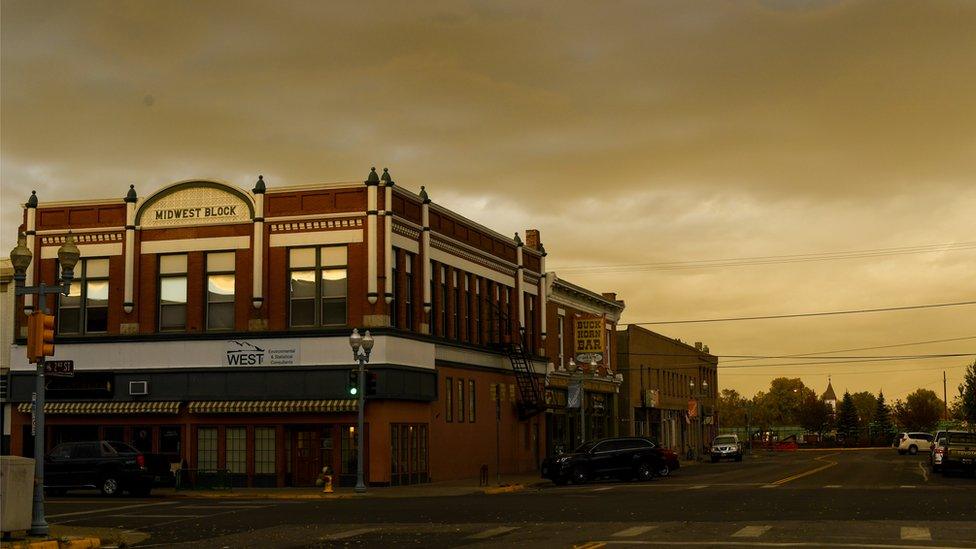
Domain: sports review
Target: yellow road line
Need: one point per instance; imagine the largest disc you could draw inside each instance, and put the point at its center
(830, 464)
(591, 545)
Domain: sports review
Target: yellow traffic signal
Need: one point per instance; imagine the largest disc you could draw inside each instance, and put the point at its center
(40, 336)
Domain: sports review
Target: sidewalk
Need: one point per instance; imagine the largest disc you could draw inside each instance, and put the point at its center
(509, 483)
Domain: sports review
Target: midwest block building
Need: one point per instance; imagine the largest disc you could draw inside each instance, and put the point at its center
(209, 324)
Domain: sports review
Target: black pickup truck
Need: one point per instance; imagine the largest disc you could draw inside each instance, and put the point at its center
(109, 466)
(624, 458)
(958, 452)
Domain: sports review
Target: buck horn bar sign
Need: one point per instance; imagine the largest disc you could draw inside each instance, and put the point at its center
(589, 342)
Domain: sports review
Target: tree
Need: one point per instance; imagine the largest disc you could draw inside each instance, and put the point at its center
(882, 418)
(847, 416)
(920, 411)
(732, 408)
(967, 394)
(814, 415)
(866, 404)
(780, 405)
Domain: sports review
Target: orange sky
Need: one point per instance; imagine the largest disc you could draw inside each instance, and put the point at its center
(627, 132)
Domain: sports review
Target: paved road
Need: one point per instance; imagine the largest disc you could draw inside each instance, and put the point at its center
(842, 499)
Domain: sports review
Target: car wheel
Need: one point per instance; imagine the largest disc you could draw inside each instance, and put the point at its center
(644, 472)
(664, 471)
(110, 486)
(913, 449)
(579, 476)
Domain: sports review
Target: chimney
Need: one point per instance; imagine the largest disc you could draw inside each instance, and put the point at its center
(610, 296)
(532, 238)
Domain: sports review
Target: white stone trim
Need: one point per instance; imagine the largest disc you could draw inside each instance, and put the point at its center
(405, 243)
(309, 217)
(87, 250)
(195, 245)
(465, 265)
(316, 238)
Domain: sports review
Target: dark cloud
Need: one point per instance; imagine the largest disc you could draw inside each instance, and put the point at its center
(626, 131)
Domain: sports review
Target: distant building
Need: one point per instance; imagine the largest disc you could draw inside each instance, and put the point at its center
(662, 395)
(6, 340)
(830, 397)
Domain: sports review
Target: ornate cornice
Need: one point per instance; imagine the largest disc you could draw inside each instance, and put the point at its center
(317, 225)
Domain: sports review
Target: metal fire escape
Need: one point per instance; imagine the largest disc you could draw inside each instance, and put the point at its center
(530, 397)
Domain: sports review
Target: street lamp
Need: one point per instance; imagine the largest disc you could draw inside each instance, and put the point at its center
(20, 258)
(698, 395)
(361, 345)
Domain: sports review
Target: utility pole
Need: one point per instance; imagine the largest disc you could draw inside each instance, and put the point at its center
(945, 397)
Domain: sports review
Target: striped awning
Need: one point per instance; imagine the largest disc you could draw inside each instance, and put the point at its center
(270, 406)
(92, 408)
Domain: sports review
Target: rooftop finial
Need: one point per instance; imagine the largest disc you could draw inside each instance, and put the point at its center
(542, 249)
(32, 201)
(423, 195)
(518, 241)
(131, 195)
(385, 178)
(372, 177)
(259, 186)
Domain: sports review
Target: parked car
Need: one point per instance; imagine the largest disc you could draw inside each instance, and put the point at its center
(909, 443)
(937, 453)
(109, 466)
(958, 451)
(669, 461)
(726, 447)
(624, 458)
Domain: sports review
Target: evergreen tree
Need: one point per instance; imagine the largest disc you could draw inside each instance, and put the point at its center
(847, 416)
(882, 418)
(967, 394)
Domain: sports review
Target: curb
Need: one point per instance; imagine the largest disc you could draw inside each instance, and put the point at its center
(503, 489)
(62, 543)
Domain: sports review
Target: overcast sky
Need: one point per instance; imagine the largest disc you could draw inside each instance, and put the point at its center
(627, 132)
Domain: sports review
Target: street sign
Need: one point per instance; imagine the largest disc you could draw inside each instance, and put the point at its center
(59, 368)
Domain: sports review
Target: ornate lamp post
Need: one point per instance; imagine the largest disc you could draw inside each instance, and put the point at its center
(361, 345)
(577, 375)
(20, 257)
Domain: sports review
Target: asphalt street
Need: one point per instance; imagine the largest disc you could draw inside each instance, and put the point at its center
(873, 498)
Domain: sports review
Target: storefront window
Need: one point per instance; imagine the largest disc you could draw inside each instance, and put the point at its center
(169, 440)
(142, 439)
(236, 447)
(207, 448)
(264, 450)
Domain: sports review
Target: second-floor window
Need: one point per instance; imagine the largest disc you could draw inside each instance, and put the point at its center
(172, 292)
(85, 309)
(220, 291)
(317, 286)
(408, 292)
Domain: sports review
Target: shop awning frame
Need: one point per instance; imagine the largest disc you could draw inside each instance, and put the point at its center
(270, 406)
(112, 407)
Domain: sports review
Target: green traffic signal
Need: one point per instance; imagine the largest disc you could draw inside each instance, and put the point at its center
(352, 384)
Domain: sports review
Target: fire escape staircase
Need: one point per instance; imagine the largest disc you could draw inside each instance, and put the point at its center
(530, 394)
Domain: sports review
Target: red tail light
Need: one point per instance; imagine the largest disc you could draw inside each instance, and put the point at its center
(141, 461)
(939, 451)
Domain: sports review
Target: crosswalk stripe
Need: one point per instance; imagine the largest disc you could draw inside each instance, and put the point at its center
(698, 487)
(350, 533)
(751, 531)
(918, 533)
(633, 531)
(770, 485)
(604, 488)
(832, 486)
(492, 532)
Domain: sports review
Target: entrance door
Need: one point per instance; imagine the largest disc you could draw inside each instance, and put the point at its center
(307, 458)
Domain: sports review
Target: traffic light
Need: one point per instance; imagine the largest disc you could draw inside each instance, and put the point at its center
(40, 336)
(352, 384)
(371, 378)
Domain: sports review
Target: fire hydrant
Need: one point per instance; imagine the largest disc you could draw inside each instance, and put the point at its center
(326, 480)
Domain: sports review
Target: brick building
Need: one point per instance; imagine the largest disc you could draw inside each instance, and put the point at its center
(209, 325)
(669, 389)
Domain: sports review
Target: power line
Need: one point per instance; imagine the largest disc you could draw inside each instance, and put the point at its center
(766, 260)
(891, 346)
(890, 359)
(797, 315)
(773, 357)
(858, 372)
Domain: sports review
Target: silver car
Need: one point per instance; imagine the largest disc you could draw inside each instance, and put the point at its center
(726, 447)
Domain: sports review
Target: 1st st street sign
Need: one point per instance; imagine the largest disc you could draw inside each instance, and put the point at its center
(59, 368)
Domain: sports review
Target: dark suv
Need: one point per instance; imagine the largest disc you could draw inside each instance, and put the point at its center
(625, 458)
(109, 466)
